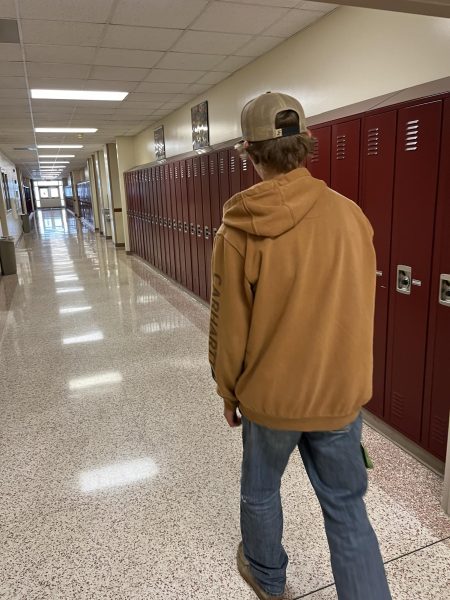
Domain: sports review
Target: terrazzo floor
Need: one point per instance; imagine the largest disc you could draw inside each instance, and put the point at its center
(119, 478)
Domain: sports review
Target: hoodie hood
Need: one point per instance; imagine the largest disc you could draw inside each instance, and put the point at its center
(272, 207)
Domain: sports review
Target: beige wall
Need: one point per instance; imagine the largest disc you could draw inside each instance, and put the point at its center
(15, 227)
(350, 55)
(125, 160)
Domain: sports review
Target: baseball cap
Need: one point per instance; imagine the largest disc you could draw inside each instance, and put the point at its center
(259, 115)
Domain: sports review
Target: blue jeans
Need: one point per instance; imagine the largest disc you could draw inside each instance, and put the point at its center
(336, 469)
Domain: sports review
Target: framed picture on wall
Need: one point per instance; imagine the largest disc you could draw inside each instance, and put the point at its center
(160, 144)
(200, 125)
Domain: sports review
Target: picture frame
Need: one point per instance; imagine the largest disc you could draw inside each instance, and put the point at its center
(160, 143)
(200, 125)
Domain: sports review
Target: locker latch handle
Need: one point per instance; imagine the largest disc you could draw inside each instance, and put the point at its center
(192, 229)
(379, 273)
(214, 231)
(199, 231)
(186, 227)
(444, 289)
(404, 274)
(207, 234)
(180, 226)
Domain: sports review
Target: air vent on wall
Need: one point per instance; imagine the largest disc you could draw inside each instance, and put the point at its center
(9, 31)
(341, 145)
(373, 140)
(412, 135)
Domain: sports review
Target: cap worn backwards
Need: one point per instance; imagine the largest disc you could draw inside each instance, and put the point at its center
(258, 117)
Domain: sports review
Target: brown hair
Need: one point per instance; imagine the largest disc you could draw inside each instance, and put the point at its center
(282, 154)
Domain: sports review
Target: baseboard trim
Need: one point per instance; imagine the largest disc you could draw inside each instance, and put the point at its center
(119, 244)
(404, 443)
(108, 237)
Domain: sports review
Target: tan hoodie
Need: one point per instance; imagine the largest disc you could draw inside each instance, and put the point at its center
(292, 305)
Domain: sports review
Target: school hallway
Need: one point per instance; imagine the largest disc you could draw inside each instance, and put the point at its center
(119, 475)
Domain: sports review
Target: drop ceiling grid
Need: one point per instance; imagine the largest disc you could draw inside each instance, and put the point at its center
(190, 46)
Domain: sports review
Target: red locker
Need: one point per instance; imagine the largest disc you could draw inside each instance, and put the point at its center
(417, 162)
(168, 221)
(246, 173)
(192, 226)
(156, 261)
(437, 394)
(235, 171)
(148, 232)
(140, 211)
(162, 239)
(180, 231)
(173, 202)
(199, 227)
(319, 161)
(224, 180)
(186, 225)
(377, 188)
(345, 158)
(214, 191)
(207, 220)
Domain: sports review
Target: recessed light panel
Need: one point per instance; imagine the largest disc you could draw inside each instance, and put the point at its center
(65, 129)
(56, 156)
(78, 95)
(64, 146)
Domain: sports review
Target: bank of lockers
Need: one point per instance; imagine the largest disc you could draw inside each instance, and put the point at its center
(395, 164)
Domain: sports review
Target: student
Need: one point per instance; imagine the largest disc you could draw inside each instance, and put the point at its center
(290, 346)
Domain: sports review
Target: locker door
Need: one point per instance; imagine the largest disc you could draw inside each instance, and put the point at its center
(234, 171)
(179, 213)
(246, 172)
(377, 188)
(162, 240)
(156, 218)
(151, 185)
(319, 161)
(139, 197)
(214, 192)
(129, 208)
(186, 225)
(168, 221)
(148, 232)
(345, 158)
(199, 227)
(192, 225)
(417, 161)
(173, 198)
(224, 180)
(207, 220)
(437, 394)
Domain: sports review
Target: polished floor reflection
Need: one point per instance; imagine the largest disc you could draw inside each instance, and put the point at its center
(119, 478)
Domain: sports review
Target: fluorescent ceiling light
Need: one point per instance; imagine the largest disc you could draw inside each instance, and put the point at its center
(65, 129)
(55, 162)
(56, 156)
(78, 95)
(59, 146)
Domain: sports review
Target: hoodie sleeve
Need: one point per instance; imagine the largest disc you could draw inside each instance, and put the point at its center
(231, 305)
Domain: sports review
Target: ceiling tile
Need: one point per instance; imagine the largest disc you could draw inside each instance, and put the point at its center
(66, 10)
(209, 42)
(119, 73)
(14, 69)
(13, 83)
(282, 3)
(49, 83)
(198, 88)
(61, 32)
(140, 38)
(55, 70)
(11, 52)
(233, 63)
(115, 57)
(111, 86)
(179, 60)
(213, 77)
(176, 14)
(130, 105)
(147, 96)
(323, 7)
(8, 9)
(237, 18)
(258, 46)
(59, 54)
(11, 102)
(152, 87)
(13, 93)
(169, 75)
(293, 22)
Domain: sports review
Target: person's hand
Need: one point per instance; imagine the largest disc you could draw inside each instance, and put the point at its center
(231, 416)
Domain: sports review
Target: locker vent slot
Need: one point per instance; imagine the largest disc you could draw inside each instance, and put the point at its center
(232, 164)
(176, 171)
(188, 170)
(373, 141)
(211, 167)
(222, 165)
(244, 164)
(315, 152)
(181, 171)
(203, 167)
(412, 135)
(397, 406)
(341, 146)
(438, 431)
(195, 169)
